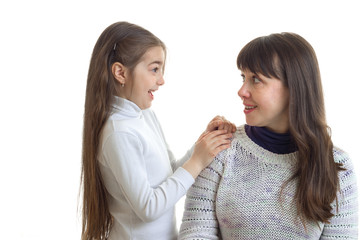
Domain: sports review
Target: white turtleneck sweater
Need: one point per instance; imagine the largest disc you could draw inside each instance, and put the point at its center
(143, 179)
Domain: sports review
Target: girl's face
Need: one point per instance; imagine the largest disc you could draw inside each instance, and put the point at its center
(146, 79)
(266, 102)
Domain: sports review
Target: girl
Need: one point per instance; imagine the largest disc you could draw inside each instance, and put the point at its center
(282, 178)
(130, 179)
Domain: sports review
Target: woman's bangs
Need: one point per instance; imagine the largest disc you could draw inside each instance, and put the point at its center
(257, 58)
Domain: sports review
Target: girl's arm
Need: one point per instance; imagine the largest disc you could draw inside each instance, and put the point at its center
(124, 171)
(206, 148)
(123, 160)
(217, 123)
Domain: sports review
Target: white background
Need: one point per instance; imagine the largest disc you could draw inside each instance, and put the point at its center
(44, 56)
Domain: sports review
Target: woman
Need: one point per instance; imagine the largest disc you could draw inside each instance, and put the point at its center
(282, 178)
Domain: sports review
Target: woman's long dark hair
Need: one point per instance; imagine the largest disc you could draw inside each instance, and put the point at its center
(290, 58)
(120, 42)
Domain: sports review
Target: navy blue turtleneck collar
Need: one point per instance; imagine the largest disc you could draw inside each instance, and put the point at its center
(280, 143)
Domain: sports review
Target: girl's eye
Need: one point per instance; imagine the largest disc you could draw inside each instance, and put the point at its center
(155, 69)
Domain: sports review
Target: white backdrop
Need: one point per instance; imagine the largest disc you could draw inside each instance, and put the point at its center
(44, 56)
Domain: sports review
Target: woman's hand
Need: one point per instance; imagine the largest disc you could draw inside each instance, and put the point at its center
(206, 148)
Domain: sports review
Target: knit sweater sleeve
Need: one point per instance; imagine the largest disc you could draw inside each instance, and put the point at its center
(344, 223)
(199, 219)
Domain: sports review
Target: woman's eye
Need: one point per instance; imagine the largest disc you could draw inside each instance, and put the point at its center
(256, 80)
(243, 78)
(155, 69)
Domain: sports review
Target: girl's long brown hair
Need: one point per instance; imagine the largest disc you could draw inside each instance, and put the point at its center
(290, 58)
(120, 42)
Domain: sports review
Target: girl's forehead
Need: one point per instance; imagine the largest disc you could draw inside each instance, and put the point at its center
(154, 54)
(153, 51)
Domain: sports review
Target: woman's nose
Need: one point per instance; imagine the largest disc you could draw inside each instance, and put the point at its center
(244, 91)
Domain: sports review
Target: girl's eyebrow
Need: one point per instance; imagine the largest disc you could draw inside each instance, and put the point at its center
(156, 62)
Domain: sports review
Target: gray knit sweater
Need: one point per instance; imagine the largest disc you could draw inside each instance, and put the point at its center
(238, 197)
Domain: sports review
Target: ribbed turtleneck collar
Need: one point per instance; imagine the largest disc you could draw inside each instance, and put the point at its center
(126, 108)
(280, 143)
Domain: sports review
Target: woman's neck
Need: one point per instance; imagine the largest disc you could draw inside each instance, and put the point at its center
(280, 143)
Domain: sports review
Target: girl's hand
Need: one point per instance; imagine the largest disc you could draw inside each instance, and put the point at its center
(218, 123)
(206, 148)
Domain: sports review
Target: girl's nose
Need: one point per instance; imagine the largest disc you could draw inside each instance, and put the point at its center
(160, 81)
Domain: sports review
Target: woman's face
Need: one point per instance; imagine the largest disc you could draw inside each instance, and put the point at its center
(266, 102)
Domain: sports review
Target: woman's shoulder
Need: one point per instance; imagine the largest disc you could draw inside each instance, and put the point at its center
(240, 135)
(342, 157)
(238, 141)
(347, 176)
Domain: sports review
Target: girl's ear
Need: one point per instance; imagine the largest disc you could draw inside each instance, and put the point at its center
(118, 71)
